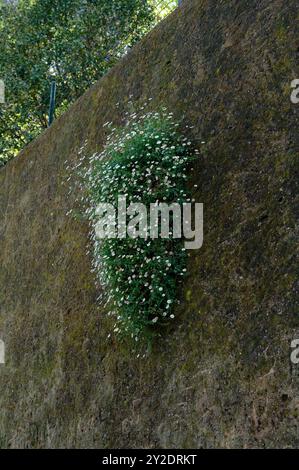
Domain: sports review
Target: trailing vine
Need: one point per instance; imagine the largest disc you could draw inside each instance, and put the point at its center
(146, 161)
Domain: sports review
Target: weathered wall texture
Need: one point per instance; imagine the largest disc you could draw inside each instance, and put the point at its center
(221, 376)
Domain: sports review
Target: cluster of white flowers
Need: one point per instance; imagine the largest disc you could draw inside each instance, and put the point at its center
(146, 161)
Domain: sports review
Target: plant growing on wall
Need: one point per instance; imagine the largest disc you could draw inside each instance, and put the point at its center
(146, 162)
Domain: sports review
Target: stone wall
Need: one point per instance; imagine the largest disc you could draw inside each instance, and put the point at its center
(221, 375)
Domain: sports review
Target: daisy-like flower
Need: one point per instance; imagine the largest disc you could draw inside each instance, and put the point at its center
(147, 161)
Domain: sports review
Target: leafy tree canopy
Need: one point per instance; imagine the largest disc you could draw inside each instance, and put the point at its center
(72, 41)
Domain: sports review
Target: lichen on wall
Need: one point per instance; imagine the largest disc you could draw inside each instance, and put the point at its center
(221, 376)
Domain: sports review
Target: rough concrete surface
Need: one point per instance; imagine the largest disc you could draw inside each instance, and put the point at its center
(221, 375)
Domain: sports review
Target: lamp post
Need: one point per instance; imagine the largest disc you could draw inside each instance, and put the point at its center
(2, 92)
(52, 103)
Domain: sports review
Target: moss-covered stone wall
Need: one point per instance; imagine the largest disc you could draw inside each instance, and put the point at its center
(221, 376)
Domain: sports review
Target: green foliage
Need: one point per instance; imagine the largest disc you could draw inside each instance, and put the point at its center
(146, 161)
(74, 42)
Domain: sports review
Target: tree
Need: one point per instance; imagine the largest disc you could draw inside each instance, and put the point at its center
(72, 41)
